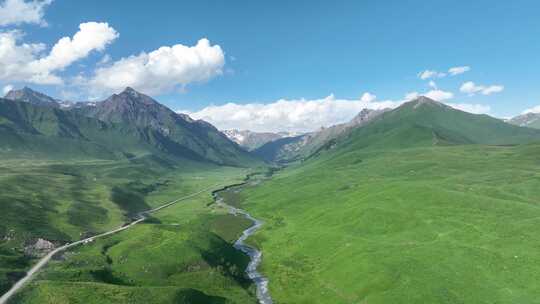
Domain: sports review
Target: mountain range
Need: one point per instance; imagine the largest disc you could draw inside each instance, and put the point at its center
(59, 185)
(125, 125)
(131, 124)
(422, 121)
(425, 122)
(297, 147)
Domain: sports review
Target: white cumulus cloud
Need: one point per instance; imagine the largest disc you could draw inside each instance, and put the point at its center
(439, 95)
(411, 95)
(492, 89)
(367, 97)
(25, 62)
(161, 70)
(471, 108)
(532, 110)
(458, 70)
(453, 71)
(15, 12)
(302, 115)
(296, 115)
(471, 88)
(427, 74)
(91, 36)
(7, 88)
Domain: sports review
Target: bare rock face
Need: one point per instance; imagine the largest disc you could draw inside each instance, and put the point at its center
(39, 248)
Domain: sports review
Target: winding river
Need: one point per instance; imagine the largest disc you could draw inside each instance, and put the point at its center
(255, 255)
(261, 282)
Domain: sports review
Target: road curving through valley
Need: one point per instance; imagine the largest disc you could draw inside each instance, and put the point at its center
(44, 260)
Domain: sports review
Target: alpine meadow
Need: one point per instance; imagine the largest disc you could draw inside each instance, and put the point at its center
(234, 152)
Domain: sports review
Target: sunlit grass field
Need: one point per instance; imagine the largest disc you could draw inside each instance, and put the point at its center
(456, 224)
(182, 254)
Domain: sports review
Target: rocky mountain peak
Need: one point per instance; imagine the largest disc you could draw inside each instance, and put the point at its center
(26, 94)
(365, 116)
(130, 95)
(131, 91)
(423, 100)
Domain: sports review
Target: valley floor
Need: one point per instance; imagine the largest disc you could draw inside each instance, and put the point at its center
(454, 224)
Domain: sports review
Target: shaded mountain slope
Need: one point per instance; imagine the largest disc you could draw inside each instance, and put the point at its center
(166, 130)
(128, 124)
(282, 150)
(54, 133)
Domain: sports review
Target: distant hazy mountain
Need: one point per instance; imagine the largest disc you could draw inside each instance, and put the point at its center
(298, 147)
(529, 120)
(128, 124)
(252, 140)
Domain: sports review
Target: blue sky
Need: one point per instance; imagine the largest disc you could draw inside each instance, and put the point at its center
(299, 51)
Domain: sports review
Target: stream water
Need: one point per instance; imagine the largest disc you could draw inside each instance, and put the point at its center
(261, 282)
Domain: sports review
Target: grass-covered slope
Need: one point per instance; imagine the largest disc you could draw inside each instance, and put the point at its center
(454, 224)
(62, 201)
(425, 204)
(420, 122)
(182, 255)
(424, 122)
(65, 175)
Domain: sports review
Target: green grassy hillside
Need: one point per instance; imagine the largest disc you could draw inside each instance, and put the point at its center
(453, 224)
(183, 254)
(425, 204)
(421, 122)
(424, 122)
(66, 175)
